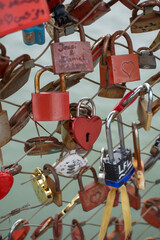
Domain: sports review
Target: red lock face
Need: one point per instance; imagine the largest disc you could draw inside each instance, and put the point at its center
(6, 182)
(20, 233)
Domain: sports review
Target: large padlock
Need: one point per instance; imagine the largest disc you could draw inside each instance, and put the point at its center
(85, 130)
(144, 109)
(69, 57)
(39, 231)
(5, 129)
(116, 234)
(130, 4)
(18, 231)
(149, 213)
(146, 58)
(122, 68)
(50, 106)
(57, 228)
(118, 163)
(3, 62)
(54, 185)
(15, 77)
(133, 195)
(93, 194)
(84, 9)
(149, 21)
(77, 231)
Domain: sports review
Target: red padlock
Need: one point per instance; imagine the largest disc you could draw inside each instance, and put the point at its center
(39, 231)
(93, 194)
(116, 200)
(57, 228)
(77, 231)
(6, 182)
(121, 228)
(151, 216)
(116, 234)
(19, 232)
(134, 196)
(122, 68)
(3, 63)
(50, 106)
(85, 130)
(129, 4)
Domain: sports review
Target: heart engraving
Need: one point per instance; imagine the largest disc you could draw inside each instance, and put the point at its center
(128, 68)
(95, 198)
(8, 18)
(6, 182)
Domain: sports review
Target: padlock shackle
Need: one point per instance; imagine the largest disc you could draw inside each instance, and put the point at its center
(38, 75)
(150, 97)
(105, 49)
(15, 226)
(136, 145)
(126, 36)
(146, 50)
(76, 224)
(153, 202)
(38, 171)
(96, 49)
(55, 175)
(3, 51)
(89, 100)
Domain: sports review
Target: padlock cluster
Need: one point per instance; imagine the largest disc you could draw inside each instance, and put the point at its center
(121, 171)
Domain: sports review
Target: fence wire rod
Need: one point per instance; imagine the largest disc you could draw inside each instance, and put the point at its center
(143, 232)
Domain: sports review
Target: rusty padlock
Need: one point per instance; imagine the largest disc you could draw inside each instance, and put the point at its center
(15, 77)
(3, 62)
(149, 21)
(5, 129)
(50, 106)
(116, 234)
(93, 194)
(133, 195)
(18, 231)
(122, 68)
(39, 231)
(21, 117)
(77, 231)
(144, 109)
(54, 185)
(146, 58)
(57, 228)
(130, 4)
(149, 213)
(69, 57)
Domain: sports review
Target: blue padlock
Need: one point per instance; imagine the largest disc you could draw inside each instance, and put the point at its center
(34, 35)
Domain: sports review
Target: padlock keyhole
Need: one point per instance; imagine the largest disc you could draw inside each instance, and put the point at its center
(87, 136)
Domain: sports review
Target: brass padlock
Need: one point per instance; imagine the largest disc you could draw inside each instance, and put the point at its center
(40, 187)
(146, 58)
(15, 77)
(5, 129)
(54, 186)
(144, 109)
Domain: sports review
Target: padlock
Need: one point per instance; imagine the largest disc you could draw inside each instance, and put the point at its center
(149, 21)
(54, 185)
(144, 109)
(121, 228)
(50, 106)
(6, 182)
(84, 9)
(133, 195)
(69, 57)
(21, 117)
(130, 4)
(149, 213)
(118, 163)
(122, 68)
(137, 161)
(39, 231)
(146, 58)
(155, 44)
(85, 130)
(57, 228)
(77, 231)
(18, 231)
(116, 234)
(15, 77)
(69, 164)
(3, 62)
(107, 90)
(93, 194)
(40, 187)
(43, 145)
(34, 35)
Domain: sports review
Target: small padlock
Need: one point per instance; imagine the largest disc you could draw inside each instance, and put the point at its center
(3, 62)
(34, 35)
(146, 58)
(69, 164)
(116, 234)
(133, 195)
(85, 130)
(93, 194)
(118, 163)
(15, 77)
(50, 106)
(149, 21)
(122, 68)
(39, 231)
(130, 4)
(40, 187)
(137, 161)
(57, 228)
(54, 185)
(21, 117)
(69, 57)
(149, 213)
(77, 231)
(18, 231)
(144, 109)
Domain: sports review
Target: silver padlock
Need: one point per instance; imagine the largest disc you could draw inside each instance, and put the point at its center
(146, 58)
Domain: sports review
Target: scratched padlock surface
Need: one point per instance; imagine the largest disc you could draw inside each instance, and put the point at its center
(21, 195)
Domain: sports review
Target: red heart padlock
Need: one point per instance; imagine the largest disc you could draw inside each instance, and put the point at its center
(17, 232)
(77, 231)
(85, 130)
(6, 182)
(57, 228)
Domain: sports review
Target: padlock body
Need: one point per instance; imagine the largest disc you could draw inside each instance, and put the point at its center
(123, 68)
(71, 57)
(34, 35)
(21, 233)
(146, 61)
(121, 170)
(5, 129)
(152, 216)
(3, 66)
(134, 198)
(103, 75)
(50, 106)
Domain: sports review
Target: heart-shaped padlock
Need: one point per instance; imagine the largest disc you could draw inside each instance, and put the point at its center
(6, 182)
(85, 130)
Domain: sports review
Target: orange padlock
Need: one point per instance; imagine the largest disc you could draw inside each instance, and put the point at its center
(50, 106)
